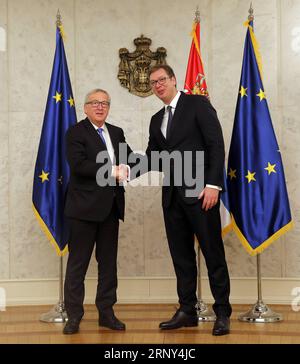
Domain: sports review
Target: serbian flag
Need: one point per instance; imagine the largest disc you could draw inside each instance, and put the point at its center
(195, 82)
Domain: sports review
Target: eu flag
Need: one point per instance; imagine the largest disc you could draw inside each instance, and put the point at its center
(51, 173)
(258, 196)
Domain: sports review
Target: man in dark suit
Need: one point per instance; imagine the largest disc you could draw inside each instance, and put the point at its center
(93, 209)
(189, 123)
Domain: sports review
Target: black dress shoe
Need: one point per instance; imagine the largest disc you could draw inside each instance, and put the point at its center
(221, 326)
(111, 322)
(72, 327)
(180, 319)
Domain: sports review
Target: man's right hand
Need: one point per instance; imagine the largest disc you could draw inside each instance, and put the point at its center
(120, 172)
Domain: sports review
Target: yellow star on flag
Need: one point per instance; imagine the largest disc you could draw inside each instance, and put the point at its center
(232, 173)
(44, 176)
(57, 97)
(270, 168)
(250, 176)
(261, 94)
(243, 91)
(71, 101)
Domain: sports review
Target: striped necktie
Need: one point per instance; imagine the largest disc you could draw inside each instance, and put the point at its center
(100, 132)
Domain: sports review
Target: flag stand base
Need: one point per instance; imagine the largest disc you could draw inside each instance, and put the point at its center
(260, 313)
(204, 313)
(57, 314)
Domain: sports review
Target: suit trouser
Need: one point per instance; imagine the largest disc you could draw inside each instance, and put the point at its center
(83, 236)
(182, 222)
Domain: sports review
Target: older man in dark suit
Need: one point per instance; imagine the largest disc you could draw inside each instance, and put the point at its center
(189, 124)
(93, 208)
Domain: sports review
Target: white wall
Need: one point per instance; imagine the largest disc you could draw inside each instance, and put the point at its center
(95, 30)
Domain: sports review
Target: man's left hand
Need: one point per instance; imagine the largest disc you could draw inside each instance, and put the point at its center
(210, 197)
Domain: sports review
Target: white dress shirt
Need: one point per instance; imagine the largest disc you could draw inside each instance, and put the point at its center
(109, 146)
(173, 104)
(111, 151)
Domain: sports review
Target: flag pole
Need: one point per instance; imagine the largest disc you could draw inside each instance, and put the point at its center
(204, 313)
(260, 312)
(58, 313)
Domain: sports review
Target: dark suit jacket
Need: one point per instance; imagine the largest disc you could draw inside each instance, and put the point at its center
(195, 127)
(85, 199)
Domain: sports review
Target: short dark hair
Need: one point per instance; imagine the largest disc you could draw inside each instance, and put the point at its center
(165, 67)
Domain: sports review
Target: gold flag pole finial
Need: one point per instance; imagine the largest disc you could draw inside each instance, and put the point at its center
(58, 19)
(251, 11)
(59, 25)
(197, 15)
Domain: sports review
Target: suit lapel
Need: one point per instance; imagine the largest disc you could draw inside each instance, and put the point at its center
(94, 135)
(159, 119)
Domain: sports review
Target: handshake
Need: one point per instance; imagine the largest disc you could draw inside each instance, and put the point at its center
(120, 172)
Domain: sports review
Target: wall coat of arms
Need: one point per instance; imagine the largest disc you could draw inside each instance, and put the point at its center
(134, 66)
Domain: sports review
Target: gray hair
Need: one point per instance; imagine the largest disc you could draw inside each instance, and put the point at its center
(95, 91)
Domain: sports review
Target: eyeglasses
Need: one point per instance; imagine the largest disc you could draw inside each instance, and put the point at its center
(96, 103)
(160, 81)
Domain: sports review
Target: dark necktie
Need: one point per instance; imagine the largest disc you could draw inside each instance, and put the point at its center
(170, 116)
(100, 132)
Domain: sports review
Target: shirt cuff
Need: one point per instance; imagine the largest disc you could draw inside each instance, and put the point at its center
(113, 171)
(215, 187)
(128, 172)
